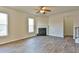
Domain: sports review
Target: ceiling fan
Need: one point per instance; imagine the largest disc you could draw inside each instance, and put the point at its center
(43, 10)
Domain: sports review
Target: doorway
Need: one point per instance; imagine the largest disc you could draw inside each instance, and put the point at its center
(68, 26)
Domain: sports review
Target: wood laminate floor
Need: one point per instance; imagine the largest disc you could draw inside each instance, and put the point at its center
(41, 44)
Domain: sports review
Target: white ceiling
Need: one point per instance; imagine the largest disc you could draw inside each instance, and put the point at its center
(54, 9)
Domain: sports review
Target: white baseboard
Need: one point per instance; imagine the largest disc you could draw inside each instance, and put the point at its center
(17, 39)
(5, 42)
(56, 36)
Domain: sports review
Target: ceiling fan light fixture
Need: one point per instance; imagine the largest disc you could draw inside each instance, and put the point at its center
(44, 8)
(42, 11)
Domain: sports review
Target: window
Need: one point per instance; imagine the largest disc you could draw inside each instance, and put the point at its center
(31, 25)
(3, 24)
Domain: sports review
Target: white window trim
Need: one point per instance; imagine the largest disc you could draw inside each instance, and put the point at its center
(31, 25)
(6, 25)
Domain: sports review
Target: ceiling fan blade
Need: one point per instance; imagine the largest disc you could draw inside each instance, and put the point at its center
(41, 7)
(48, 10)
(38, 10)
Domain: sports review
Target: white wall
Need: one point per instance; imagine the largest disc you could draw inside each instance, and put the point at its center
(59, 19)
(17, 25)
(42, 22)
(56, 25)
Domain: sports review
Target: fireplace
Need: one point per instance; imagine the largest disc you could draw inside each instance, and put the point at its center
(41, 32)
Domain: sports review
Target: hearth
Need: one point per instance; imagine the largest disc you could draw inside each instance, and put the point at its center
(42, 32)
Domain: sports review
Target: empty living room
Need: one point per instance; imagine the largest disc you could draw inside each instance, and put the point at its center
(39, 29)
